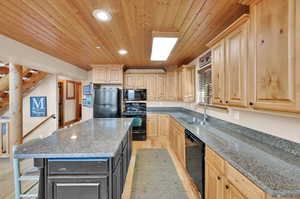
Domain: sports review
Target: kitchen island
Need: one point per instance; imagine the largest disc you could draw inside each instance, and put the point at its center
(86, 161)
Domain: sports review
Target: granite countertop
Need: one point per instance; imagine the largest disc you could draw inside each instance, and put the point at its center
(92, 138)
(272, 163)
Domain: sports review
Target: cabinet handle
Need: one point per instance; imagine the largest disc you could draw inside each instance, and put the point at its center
(221, 101)
(219, 178)
(251, 103)
(226, 102)
(227, 186)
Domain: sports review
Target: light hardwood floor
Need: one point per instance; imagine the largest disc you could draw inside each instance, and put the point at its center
(158, 142)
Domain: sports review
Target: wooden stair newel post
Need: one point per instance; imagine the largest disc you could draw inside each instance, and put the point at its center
(15, 104)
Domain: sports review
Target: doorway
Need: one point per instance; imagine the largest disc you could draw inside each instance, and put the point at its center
(61, 104)
(69, 108)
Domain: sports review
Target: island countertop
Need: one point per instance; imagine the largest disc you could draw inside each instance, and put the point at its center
(93, 138)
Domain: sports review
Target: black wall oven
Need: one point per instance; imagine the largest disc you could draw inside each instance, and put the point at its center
(195, 160)
(138, 112)
(134, 94)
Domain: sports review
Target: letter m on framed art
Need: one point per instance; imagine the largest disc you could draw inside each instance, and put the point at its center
(38, 106)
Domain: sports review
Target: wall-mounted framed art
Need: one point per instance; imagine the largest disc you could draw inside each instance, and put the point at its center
(70, 90)
(87, 89)
(38, 106)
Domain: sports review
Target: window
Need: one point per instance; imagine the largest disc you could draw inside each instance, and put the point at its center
(204, 85)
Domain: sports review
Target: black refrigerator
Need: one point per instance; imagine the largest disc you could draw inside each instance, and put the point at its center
(107, 103)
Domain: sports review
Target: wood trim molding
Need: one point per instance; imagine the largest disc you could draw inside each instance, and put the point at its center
(144, 73)
(70, 96)
(243, 19)
(107, 65)
(70, 122)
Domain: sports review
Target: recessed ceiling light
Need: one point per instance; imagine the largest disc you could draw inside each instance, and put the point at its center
(162, 47)
(98, 47)
(102, 15)
(122, 52)
(74, 137)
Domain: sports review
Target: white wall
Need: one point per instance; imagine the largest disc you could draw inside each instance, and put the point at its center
(18, 53)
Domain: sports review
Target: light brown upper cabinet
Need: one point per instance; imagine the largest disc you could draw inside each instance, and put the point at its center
(161, 87)
(130, 81)
(107, 74)
(186, 83)
(171, 86)
(274, 56)
(153, 82)
(236, 65)
(151, 86)
(218, 73)
(230, 64)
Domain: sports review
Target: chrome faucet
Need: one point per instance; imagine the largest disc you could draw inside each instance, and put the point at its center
(206, 101)
(204, 120)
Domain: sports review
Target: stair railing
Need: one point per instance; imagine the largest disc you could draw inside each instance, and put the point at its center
(37, 126)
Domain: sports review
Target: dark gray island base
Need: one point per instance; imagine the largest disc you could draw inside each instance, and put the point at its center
(98, 174)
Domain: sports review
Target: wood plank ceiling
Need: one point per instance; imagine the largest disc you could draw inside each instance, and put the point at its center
(67, 30)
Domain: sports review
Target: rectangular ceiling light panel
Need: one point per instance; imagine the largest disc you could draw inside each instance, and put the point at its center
(162, 47)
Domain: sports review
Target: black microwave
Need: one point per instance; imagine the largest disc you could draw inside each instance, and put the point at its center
(135, 95)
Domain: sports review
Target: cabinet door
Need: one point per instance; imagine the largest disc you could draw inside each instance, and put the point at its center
(218, 73)
(180, 144)
(130, 81)
(100, 75)
(161, 87)
(151, 85)
(233, 193)
(188, 84)
(115, 75)
(179, 85)
(275, 80)
(78, 187)
(163, 125)
(171, 87)
(236, 67)
(151, 125)
(140, 82)
(214, 183)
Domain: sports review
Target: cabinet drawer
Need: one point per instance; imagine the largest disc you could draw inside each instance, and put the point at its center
(214, 159)
(245, 186)
(84, 166)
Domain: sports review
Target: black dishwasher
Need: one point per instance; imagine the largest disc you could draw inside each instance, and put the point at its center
(195, 163)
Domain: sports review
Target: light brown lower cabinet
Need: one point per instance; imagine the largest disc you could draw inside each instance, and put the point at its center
(231, 192)
(163, 125)
(152, 122)
(157, 125)
(177, 140)
(222, 181)
(214, 182)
